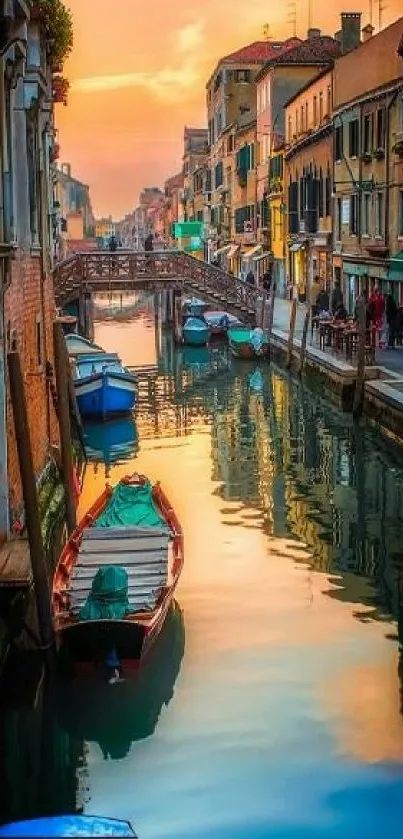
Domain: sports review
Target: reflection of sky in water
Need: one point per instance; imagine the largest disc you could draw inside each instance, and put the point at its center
(285, 716)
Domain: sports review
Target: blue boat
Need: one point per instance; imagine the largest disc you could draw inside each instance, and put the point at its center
(195, 332)
(69, 826)
(193, 307)
(103, 386)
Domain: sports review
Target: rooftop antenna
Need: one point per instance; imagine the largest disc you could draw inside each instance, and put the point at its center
(371, 12)
(292, 17)
(309, 14)
(266, 32)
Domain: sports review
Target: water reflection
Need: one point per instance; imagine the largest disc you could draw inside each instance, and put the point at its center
(89, 711)
(115, 441)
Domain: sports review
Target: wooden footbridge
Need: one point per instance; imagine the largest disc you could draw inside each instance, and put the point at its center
(95, 271)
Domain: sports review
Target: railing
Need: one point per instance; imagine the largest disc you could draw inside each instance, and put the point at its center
(95, 270)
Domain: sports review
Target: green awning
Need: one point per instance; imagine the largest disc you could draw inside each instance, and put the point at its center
(395, 273)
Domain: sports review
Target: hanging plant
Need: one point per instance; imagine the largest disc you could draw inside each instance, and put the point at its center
(57, 25)
(60, 89)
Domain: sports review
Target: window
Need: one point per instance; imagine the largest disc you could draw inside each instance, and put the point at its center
(306, 116)
(315, 110)
(296, 123)
(339, 218)
(338, 143)
(231, 142)
(320, 194)
(367, 138)
(366, 214)
(328, 194)
(380, 128)
(242, 76)
(293, 225)
(289, 129)
(353, 138)
(38, 336)
(329, 100)
(353, 215)
(219, 175)
(302, 118)
(379, 222)
(321, 106)
(400, 217)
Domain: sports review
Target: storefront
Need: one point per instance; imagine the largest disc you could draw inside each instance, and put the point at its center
(249, 252)
(298, 268)
(358, 277)
(395, 276)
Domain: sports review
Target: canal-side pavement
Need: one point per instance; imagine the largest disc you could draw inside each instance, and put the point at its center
(383, 392)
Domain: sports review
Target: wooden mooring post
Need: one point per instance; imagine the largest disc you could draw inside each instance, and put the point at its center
(291, 331)
(360, 380)
(64, 425)
(307, 319)
(177, 321)
(30, 494)
(269, 313)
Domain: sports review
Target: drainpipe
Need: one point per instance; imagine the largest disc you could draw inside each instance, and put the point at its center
(387, 162)
(4, 511)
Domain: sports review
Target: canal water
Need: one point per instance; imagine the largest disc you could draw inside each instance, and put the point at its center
(272, 705)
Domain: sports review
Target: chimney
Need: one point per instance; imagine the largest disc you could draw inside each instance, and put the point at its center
(350, 31)
(313, 33)
(367, 32)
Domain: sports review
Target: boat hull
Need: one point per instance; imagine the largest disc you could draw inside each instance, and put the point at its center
(195, 337)
(70, 825)
(105, 394)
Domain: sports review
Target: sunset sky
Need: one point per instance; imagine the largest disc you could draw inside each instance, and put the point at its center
(138, 73)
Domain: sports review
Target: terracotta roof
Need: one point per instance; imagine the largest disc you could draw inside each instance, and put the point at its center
(261, 51)
(321, 50)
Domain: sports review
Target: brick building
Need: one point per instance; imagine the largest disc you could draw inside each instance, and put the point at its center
(26, 243)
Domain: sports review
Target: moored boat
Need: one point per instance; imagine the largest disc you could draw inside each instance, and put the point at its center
(219, 322)
(117, 575)
(103, 386)
(248, 343)
(70, 825)
(77, 345)
(193, 307)
(195, 332)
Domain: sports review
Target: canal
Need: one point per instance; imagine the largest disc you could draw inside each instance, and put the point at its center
(272, 705)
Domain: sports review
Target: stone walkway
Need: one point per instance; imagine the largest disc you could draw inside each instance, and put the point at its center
(389, 359)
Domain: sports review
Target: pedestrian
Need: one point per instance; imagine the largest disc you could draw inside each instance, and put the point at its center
(266, 281)
(336, 299)
(322, 302)
(113, 244)
(313, 296)
(377, 302)
(250, 278)
(149, 243)
(391, 310)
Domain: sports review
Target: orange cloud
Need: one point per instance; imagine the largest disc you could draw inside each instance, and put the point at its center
(138, 74)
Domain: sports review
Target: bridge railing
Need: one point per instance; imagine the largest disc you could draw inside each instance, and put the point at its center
(96, 268)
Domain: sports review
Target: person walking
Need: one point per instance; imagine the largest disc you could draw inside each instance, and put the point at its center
(313, 296)
(336, 298)
(148, 248)
(377, 303)
(250, 278)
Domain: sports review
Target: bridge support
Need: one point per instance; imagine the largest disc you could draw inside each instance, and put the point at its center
(177, 321)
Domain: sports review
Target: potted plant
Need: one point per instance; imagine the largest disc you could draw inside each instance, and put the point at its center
(398, 148)
(379, 154)
(366, 157)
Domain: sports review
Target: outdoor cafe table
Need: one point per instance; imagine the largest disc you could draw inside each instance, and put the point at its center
(330, 332)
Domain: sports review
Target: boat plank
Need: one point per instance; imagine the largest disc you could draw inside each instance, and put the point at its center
(15, 564)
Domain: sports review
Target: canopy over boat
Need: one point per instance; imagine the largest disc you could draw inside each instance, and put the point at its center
(69, 826)
(195, 324)
(77, 345)
(216, 318)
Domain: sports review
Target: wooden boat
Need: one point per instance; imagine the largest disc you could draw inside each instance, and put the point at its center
(248, 343)
(71, 825)
(220, 322)
(193, 307)
(133, 533)
(77, 345)
(103, 386)
(195, 332)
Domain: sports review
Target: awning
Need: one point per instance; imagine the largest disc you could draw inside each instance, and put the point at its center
(295, 247)
(225, 249)
(249, 254)
(262, 256)
(233, 251)
(395, 273)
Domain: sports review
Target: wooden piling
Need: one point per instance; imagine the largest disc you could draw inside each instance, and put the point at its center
(304, 339)
(64, 426)
(33, 524)
(178, 317)
(360, 380)
(270, 313)
(291, 331)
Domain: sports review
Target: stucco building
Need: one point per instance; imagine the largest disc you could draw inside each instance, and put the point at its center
(368, 164)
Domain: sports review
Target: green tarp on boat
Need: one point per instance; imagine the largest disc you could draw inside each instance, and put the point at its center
(108, 599)
(131, 505)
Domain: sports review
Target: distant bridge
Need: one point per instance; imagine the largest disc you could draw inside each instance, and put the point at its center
(93, 271)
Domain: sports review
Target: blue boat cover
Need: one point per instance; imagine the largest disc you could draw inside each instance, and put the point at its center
(69, 826)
